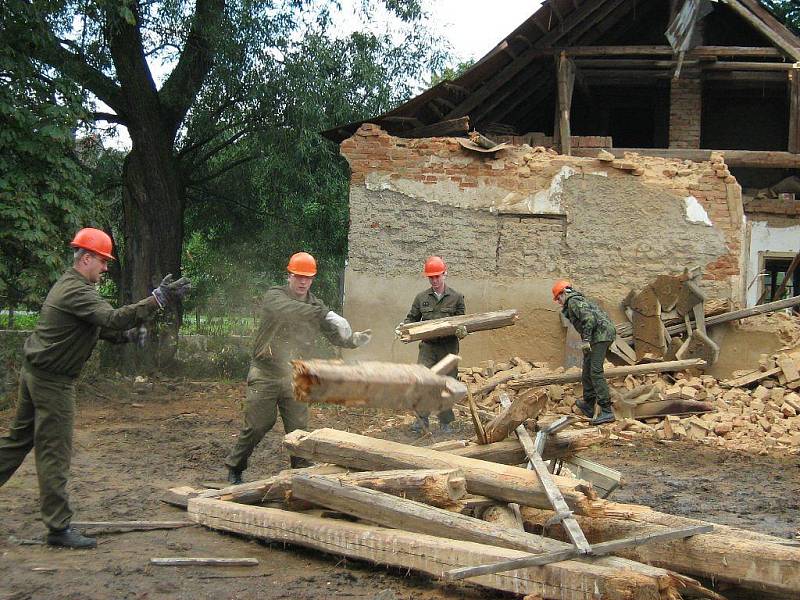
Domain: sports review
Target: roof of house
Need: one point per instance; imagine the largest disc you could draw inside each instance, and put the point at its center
(521, 65)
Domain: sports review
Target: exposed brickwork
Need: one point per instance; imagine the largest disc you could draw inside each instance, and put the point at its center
(438, 172)
(684, 111)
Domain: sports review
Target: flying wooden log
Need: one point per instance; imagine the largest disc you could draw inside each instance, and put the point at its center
(656, 367)
(376, 384)
(434, 555)
(425, 330)
(502, 482)
(753, 560)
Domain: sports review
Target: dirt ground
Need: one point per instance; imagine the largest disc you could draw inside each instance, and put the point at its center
(131, 447)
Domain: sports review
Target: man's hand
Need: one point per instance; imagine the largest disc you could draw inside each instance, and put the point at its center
(398, 329)
(169, 292)
(137, 335)
(362, 338)
(586, 347)
(341, 324)
(461, 332)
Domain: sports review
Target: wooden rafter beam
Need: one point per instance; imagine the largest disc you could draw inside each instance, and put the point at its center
(516, 66)
(768, 159)
(740, 9)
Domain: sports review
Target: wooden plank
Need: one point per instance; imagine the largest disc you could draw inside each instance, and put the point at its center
(601, 549)
(794, 110)
(502, 482)
(565, 83)
(767, 159)
(375, 384)
(569, 580)
(749, 559)
(179, 496)
(750, 378)
(131, 525)
(204, 562)
(447, 365)
(425, 330)
(657, 367)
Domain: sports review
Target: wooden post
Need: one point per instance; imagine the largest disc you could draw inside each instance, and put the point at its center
(565, 83)
(794, 110)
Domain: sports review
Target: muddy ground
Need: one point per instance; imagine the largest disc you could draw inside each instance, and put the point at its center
(131, 447)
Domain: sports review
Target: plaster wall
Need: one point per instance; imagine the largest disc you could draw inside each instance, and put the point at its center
(777, 235)
(508, 224)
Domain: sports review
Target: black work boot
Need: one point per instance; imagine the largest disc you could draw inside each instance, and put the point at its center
(606, 416)
(234, 476)
(298, 462)
(585, 407)
(70, 538)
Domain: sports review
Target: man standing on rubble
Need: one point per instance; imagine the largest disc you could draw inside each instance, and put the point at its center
(597, 331)
(292, 318)
(437, 302)
(73, 317)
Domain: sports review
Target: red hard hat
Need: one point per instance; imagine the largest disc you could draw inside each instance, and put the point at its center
(94, 240)
(302, 263)
(434, 266)
(559, 286)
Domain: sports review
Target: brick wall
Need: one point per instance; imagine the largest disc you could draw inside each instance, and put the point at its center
(684, 110)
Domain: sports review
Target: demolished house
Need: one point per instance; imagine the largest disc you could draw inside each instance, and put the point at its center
(620, 141)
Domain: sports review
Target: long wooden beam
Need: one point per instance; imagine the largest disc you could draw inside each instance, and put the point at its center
(527, 381)
(763, 29)
(768, 159)
(793, 144)
(435, 555)
(695, 53)
(502, 482)
(747, 558)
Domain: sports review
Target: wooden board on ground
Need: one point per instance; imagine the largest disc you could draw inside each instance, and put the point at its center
(570, 580)
(375, 384)
(527, 405)
(204, 562)
(425, 330)
(750, 378)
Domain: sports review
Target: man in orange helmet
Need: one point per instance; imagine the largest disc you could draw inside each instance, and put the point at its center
(291, 320)
(73, 317)
(597, 331)
(436, 302)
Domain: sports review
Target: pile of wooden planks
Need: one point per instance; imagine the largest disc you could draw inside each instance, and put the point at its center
(452, 512)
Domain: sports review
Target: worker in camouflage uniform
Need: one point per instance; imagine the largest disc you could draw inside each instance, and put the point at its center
(436, 302)
(73, 317)
(597, 331)
(291, 320)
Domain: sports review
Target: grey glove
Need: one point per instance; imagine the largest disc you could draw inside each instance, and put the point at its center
(137, 335)
(341, 324)
(398, 328)
(169, 291)
(461, 332)
(362, 338)
(586, 347)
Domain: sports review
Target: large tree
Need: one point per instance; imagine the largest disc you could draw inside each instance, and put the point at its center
(188, 80)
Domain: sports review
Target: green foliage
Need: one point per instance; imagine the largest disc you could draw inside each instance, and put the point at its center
(43, 188)
(788, 11)
(451, 73)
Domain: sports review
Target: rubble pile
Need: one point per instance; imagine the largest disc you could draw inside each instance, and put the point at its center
(758, 411)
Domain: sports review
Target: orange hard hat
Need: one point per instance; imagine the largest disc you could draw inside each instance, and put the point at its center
(434, 266)
(559, 286)
(94, 240)
(302, 263)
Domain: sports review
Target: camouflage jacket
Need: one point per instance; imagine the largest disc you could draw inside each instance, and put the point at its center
(592, 322)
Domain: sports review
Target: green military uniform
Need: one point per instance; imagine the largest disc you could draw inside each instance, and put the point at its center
(73, 317)
(288, 331)
(596, 327)
(426, 307)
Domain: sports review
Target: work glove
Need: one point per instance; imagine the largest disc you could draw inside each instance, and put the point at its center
(362, 338)
(169, 291)
(341, 324)
(461, 332)
(586, 347)
(137, 335)
(398, 328)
